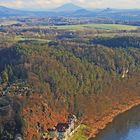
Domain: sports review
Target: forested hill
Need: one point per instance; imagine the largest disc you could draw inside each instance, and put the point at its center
(86, 66)
(85, 69)
(69, 73)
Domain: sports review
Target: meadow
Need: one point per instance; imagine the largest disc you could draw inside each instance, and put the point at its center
(95, 26)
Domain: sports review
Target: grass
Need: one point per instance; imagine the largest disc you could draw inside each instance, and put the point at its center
(79, 135)
(9, 22)
(93, 26)
(99, 26)
(111, 27)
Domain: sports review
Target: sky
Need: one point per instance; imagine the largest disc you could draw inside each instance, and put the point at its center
(49, 4)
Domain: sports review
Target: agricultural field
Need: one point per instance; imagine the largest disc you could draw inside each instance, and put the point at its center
(101, 27)
(23, 39)
(8, 22)
(94, 26)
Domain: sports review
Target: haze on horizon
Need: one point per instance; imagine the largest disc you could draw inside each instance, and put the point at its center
(88, 4)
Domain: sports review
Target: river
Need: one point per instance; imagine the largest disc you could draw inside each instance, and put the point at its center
(126, 126)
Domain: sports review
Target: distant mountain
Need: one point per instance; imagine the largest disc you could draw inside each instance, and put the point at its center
(6, 12)
(71, 10)
(69, 7)
(119, 14)
(82, 12)
(9, 12)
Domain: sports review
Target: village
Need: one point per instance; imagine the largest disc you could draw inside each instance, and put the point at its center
(62, 131)
(15, 89)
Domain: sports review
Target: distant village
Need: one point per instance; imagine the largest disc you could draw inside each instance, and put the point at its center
(16, 89)
(62, 131)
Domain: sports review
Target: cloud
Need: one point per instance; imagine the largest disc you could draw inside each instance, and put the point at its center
(115, 3)
(48, 4)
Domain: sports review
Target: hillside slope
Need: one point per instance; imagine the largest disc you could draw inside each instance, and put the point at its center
(86, 78)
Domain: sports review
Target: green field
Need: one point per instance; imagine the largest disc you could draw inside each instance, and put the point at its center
(21, 38)
(8, 22)
(95, 26)
(115, 27)
(79, 135)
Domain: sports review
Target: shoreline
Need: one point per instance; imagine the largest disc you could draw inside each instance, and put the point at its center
(104, 121)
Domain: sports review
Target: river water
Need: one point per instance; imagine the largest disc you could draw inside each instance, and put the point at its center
(124, 127)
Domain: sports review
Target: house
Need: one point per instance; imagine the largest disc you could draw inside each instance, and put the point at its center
(71, 127)
(72, 117)
(62, 131)
(52, 134)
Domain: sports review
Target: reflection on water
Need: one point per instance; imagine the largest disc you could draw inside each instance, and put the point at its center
(124, 127)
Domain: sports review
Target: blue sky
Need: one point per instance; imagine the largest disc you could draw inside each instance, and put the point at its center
(48, 4)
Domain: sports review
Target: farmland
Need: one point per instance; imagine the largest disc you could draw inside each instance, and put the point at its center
(94, 26)
(79, 27)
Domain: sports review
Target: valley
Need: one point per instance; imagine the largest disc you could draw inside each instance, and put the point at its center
(54, 71)
(55, 67)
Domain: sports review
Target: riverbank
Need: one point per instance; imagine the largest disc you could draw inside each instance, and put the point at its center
(104, 121)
